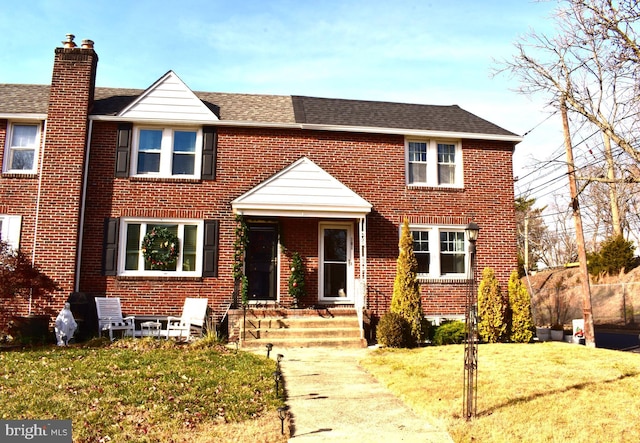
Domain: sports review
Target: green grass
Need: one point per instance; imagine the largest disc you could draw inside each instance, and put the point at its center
(144, 390)
(543, 392)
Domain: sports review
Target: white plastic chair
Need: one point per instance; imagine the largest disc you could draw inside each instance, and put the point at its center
(191, 322)
(110, 317)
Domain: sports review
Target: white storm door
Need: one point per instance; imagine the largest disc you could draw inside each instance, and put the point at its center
(336, 263)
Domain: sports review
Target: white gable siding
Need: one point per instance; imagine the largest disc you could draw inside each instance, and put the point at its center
(302, 188)
(169, 99)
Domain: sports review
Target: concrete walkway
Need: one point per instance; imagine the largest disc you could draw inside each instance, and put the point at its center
(332, 399)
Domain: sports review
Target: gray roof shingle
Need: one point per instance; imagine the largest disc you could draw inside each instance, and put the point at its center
(278, 109)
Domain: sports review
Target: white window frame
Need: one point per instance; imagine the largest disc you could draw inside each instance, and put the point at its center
(10, 226)
(432, 163)
(166, 152)
(9, 148)
(435, 251)
(122, 247)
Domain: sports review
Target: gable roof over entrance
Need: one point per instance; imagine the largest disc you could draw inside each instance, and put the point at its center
(303, 189)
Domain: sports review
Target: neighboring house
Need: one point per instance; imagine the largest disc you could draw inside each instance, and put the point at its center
(88, 172)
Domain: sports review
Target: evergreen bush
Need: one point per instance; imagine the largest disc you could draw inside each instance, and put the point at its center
(406, 290)
(492, 325)
(449, 333)
(521, 325)
(394, 331)
(615, 254)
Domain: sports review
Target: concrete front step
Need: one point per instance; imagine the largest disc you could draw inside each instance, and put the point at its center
(303, 333)
(301, 323)
(305, 343)
(300, 328)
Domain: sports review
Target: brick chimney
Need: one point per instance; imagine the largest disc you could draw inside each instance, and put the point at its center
(63, 162)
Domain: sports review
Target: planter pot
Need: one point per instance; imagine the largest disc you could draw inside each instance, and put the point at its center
(33, 329)
(557, 335)
(543, 334)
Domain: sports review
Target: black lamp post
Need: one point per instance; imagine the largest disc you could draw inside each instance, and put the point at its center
(470, 394)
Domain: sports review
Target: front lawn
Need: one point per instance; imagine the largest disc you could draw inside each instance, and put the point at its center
(144, 390)
(543, 392)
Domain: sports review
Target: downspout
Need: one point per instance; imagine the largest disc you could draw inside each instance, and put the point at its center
(35, 228)
(83, 199)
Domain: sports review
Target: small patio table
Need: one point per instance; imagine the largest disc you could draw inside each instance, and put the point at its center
(151, 327)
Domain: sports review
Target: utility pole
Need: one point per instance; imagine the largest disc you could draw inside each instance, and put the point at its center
(587, 313)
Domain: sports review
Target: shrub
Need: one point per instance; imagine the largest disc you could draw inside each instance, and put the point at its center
(521, 324)
(296, 279)
(615, 254)
(449, 333)
(406, 290)
(394, 331)
(492, 308)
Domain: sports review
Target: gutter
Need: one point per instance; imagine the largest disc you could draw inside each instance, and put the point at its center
(322, 127)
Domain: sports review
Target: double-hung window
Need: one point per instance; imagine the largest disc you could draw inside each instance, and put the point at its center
(167, 152)
(433, 163)
(440, 251)
(22, 147)
(185, 261)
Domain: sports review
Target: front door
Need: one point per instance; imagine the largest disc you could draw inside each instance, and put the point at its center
(261, 262)
(336, 263)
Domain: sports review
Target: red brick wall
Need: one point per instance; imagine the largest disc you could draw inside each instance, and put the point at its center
(371, 165)
(62, 162)
(17, 197)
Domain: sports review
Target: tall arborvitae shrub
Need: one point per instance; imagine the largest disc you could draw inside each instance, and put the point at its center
(492, 326)
(521, 325)
(406, 290)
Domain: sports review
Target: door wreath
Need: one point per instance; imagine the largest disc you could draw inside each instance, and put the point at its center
(160, 247)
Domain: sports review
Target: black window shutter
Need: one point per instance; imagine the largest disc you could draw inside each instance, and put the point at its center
(209, 148)
(210, 249)
(110, 246)
(123, 149)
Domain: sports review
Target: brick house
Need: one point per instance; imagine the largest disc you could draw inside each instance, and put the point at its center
(88, 172)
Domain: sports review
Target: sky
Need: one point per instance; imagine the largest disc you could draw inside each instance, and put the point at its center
(415, 51)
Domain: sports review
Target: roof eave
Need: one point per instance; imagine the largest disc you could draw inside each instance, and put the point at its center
(333, 128)
(23, 116)
(416, 132)
(300, 211)
(216, 122)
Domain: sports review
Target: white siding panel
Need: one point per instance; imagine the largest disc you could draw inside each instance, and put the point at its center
(303, 186)
(169, 99)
